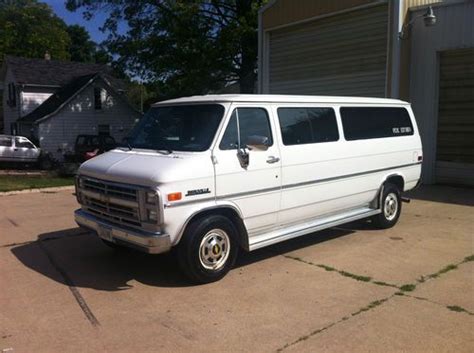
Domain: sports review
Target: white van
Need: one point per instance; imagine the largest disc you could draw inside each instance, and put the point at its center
(210, 175)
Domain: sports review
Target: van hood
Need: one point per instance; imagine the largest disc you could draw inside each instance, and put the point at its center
(148, 168)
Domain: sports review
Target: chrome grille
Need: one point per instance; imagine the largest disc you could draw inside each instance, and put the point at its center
(108, 189)
(111, 201)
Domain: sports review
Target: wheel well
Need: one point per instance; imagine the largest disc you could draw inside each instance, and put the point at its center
(396, 180)
(231, 214)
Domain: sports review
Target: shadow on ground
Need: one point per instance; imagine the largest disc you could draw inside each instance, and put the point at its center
(443, 193)
(79, 259)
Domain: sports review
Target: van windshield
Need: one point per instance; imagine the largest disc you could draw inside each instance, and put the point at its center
(177, 128)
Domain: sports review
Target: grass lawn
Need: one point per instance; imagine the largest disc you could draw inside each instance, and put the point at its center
(21, 182)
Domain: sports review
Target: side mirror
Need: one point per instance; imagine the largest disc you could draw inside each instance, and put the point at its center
(259, 143)
(243, 157)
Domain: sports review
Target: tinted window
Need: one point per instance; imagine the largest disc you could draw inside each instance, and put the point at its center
(307, 125)
(23, 143)
(368, 123)
(252, 122)
(5, 141)
(177, 128)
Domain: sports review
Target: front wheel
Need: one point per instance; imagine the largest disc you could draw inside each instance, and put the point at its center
(391, 207)
(208, 249)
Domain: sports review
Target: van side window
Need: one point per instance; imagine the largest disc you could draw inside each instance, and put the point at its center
(252, 122)
(361, 123)
(307, 125)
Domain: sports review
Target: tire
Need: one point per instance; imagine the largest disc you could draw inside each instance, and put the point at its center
(391, 207)
(208, 248)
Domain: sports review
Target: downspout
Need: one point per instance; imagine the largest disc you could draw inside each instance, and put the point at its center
(260, 54)
(398, 11)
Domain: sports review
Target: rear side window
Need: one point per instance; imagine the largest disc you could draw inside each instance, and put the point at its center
(252, 122)
(362, 123)
(5, 141)
(307, 125)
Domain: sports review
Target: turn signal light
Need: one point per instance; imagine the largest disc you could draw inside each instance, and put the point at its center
(175, 196)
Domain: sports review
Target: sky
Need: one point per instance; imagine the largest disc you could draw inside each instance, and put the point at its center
(76, 18)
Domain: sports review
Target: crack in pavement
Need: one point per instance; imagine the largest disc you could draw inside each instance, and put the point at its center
(377, 303)
(368, 307)
(454, 308)
(45, 239)
(342, 272)
(68, 281)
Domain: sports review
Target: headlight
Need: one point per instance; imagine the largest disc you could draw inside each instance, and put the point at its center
(80, 182)
(151, 197)
(152, 215)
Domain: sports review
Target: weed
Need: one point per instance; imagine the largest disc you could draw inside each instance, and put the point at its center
(408, 287)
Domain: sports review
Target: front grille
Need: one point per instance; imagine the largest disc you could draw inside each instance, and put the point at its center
(112, 211)
(109, 189)
(111, 201)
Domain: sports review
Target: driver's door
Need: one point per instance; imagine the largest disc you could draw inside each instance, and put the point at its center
(255, 189)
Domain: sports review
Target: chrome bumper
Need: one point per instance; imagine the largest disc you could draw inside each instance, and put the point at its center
(152, 243)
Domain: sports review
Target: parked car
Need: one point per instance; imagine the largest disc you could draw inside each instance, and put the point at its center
(18, 149)
(214, 175)
(89, 146)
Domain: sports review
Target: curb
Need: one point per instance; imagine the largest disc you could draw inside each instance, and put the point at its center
(30, 191)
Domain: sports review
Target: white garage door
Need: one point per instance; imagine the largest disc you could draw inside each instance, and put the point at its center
(344, 54)
(455, 142)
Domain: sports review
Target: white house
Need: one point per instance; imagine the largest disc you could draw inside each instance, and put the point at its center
(53, 101)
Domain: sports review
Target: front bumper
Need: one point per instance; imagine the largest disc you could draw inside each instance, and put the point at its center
(152, 243)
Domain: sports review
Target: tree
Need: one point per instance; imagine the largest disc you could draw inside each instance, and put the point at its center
(30, 29)
(81, 47)
(183, 47)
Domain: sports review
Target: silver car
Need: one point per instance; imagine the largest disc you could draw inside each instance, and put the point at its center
(18, 149)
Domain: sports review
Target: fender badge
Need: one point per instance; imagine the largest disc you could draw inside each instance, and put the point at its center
(197, 192)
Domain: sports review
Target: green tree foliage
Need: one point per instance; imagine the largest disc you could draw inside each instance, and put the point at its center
(30, 29)
(183, 47)
(81, 47)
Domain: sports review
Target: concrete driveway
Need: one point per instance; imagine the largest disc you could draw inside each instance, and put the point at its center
(348, 289)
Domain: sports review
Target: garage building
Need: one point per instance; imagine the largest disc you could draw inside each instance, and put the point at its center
(353, 47)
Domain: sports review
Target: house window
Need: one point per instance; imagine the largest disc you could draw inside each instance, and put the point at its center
(104, 130)
(11, 95)
(99, 95)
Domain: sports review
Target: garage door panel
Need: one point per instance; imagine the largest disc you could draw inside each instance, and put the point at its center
(455, 141)
(340, 55)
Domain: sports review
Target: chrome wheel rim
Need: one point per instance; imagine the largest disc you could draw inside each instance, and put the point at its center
(390, 208)
(214, 249)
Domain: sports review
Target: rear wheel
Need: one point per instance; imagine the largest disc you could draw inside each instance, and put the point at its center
(391, 207)
(208, 250)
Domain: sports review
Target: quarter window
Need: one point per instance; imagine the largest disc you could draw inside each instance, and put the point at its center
(307, 125)
(252, 122)
(361, 123)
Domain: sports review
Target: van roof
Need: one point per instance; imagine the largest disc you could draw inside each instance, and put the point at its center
(279, 98)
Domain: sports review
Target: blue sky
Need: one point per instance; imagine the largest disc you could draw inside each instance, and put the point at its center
(76, 18)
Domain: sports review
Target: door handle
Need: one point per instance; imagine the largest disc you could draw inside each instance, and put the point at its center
(273, 159)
